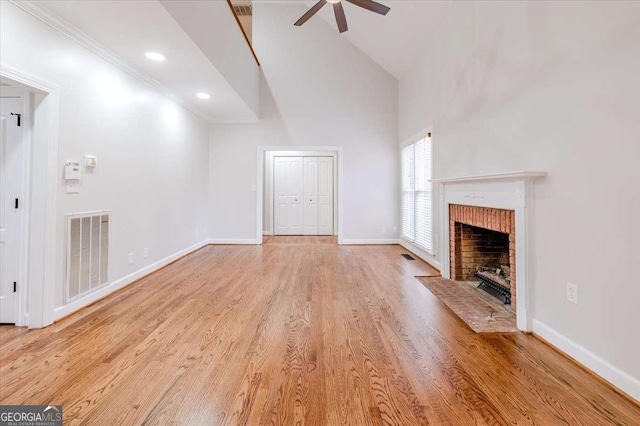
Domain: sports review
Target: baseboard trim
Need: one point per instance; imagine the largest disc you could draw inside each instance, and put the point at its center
(622, 381)
(423, 255)
(76, 305)
(349, 242)
(233, 241)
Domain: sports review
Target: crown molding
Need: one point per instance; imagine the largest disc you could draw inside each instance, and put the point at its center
(22, 78)
(80, 37)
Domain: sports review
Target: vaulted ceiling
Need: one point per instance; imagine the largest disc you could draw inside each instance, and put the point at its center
(131, 28)
(392, 41)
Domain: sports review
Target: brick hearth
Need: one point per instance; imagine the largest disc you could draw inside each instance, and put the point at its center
(497, 220)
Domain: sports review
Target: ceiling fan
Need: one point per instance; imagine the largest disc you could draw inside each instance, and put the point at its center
(341, 19)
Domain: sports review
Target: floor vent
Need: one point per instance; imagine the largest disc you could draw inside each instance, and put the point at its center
(407, 256)
(87, 253)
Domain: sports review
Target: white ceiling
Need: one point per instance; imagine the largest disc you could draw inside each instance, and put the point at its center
(395, 40)
(144, 26)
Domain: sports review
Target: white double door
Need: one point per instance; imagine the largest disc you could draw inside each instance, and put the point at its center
(303, 195)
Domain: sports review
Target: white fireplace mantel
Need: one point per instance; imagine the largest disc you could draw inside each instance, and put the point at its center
(495, 176)
(509, 191)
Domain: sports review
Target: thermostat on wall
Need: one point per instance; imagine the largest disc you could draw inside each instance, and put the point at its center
(72, 171)
(72, 176)
(90, 161)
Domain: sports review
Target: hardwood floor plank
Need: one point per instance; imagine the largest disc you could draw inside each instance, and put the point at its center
(297, 331)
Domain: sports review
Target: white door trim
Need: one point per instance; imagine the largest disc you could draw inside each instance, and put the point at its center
(40, 198)
(335, 151)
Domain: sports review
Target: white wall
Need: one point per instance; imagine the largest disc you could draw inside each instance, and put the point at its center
(317, 89)
(550, 86)
(152, 154)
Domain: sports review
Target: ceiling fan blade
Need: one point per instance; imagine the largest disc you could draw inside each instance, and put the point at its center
(310, 13)
(341, 19)
(372, 6)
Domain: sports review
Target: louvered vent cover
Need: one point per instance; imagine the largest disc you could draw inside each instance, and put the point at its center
(87, 253)
(243, 10)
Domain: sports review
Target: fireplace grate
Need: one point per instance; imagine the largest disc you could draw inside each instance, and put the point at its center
(488, 281)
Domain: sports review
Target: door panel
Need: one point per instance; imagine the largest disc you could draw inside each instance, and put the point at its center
(288, 192)
(325, 196)
(11, 174)
(311, 195)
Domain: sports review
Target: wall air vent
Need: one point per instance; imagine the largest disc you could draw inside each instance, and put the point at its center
(87, 253)
(243, 9)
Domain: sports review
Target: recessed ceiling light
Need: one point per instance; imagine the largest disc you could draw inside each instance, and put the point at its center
(155, 56)
(204, 95)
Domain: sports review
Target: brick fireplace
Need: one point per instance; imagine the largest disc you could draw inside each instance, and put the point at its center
(500, 202)
(482, 237)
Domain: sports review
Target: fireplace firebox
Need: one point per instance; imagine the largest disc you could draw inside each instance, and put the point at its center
(483, 248)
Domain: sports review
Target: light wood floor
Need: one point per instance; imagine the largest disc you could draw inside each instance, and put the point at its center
(294, 332)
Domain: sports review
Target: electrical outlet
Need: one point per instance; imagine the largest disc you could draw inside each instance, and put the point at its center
(395, 229)
(384, 229)
(130, 258)
(572, 293)
(145, 253)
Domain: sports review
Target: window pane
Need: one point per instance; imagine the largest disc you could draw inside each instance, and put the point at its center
(408, 186)
(408, 215)
(423, 229)
(417, 194)
(407, 168)
(423, 207)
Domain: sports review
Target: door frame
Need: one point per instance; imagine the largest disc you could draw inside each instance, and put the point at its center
(39, 231)
(266, 153)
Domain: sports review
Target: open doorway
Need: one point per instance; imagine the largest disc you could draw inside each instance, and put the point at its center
(299, 191)
(28, 199)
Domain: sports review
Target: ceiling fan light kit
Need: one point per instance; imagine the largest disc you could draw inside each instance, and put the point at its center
(338, 10)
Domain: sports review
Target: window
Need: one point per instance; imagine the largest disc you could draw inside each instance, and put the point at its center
(417, 194)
